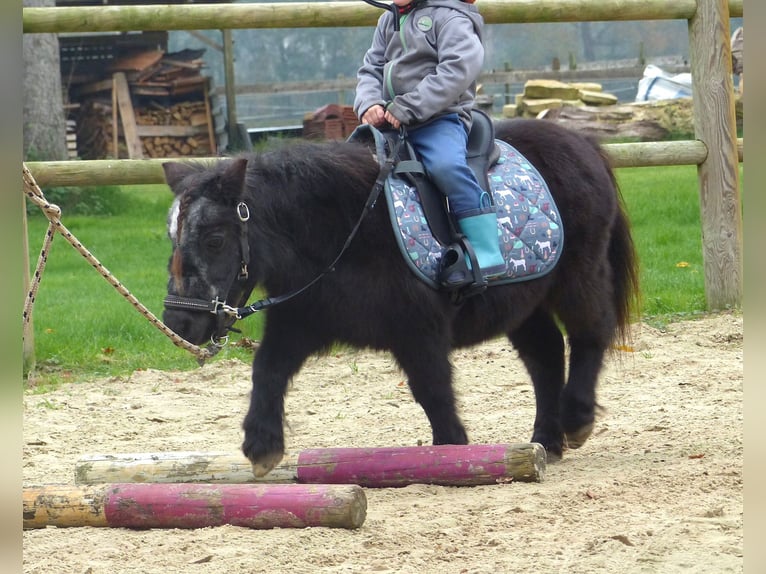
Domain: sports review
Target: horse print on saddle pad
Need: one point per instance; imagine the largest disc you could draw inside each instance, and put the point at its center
(528, 224)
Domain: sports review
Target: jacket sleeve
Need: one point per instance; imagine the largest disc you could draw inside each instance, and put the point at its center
(369, 87)
(461, 57)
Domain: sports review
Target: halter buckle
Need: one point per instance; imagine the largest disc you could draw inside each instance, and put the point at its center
(243, 212)
(218, 343)
(218, 306)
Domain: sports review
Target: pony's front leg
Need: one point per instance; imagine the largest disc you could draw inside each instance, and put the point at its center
(275, 362)
(264, 443)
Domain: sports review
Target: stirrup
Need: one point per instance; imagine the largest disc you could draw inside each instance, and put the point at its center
(456, 274)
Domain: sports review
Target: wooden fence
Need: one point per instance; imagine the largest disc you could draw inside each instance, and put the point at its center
(716, 150)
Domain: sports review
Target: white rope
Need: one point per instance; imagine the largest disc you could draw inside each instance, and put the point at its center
(53, 213)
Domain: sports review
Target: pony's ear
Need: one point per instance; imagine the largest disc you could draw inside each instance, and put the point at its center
(231, 182)
(174, 173)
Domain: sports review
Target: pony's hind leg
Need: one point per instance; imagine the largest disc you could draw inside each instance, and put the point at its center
(588, 342)
(540, 345)
(429, 376)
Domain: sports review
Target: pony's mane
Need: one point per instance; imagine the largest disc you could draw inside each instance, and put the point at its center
(331, 179)
(320, 163)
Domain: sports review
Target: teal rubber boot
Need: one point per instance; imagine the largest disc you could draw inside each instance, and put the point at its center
(480, 229)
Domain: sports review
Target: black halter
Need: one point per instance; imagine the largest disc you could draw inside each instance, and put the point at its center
(226, 315)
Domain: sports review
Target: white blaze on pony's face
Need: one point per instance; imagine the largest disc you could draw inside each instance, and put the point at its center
(173, 229)
(173, 214)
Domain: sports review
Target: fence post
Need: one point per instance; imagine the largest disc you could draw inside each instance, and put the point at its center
(235, 143)
(715, 125)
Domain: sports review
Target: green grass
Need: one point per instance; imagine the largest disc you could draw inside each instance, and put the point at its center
(84, 328)
(664, 211)
(663, 206)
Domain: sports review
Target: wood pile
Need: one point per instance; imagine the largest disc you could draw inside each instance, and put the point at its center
(190, 114)
(146, 104)
(155, 73)
(332, 122)
(71, 139)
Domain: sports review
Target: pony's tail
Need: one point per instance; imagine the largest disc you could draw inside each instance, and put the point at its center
(624, 262)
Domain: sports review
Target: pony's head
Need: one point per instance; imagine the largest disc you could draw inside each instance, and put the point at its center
(208, 267)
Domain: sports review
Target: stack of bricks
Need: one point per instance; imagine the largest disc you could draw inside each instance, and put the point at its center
(332, 122)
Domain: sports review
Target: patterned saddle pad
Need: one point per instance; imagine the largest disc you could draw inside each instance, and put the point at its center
(528, 224)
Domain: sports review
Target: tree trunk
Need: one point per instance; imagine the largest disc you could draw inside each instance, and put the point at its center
(44, 121)
(644, 121)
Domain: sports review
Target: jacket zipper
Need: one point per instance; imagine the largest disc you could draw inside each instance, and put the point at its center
(389, 85)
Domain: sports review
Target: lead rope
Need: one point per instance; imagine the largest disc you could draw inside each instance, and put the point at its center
(53, 213)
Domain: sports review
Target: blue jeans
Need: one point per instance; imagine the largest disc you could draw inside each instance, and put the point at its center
(441, 145)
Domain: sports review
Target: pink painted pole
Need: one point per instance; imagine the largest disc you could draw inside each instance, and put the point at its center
(448, 465)
(387, 466)
(157, 505)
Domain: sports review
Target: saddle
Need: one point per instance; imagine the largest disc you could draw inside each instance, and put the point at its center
(529, 228)
(482, 152)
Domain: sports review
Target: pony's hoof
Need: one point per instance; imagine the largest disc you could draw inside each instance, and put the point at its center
(553, 442)
(265, 464)
(577, 438)
(552, 456)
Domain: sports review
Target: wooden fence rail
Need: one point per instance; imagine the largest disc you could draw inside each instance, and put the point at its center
(85, 173)
(715, 152)
(337, 14)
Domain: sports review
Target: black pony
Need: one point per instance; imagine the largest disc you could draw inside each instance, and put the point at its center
(278, 219)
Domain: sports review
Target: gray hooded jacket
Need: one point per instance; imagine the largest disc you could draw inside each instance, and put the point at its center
(427, 69)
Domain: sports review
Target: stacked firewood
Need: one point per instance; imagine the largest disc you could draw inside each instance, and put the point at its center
(95, 131)
(168, 96)
(154, 73)
(191, 114)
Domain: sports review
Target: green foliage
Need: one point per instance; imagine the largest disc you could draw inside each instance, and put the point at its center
(91, 200)
(104, 200)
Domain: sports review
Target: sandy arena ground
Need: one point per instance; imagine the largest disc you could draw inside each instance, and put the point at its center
(657, 489)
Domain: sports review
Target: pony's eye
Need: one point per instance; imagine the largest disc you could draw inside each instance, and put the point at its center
(214, 242)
